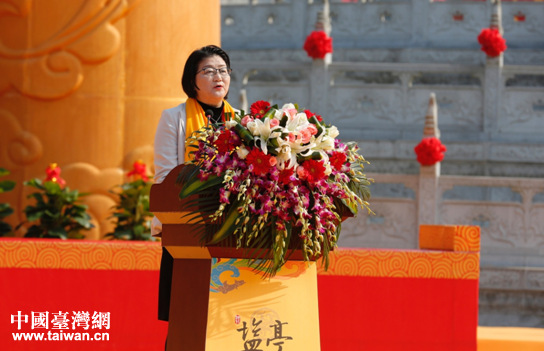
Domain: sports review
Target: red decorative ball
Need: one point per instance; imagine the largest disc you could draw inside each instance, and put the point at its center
(430, 151)
(318, 44)
(492, 42)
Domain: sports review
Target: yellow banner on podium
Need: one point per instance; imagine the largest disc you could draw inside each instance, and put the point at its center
(250, 312)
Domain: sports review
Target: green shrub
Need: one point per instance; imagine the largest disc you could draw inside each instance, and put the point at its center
(57, 211)
(132, 216)
(5, 208)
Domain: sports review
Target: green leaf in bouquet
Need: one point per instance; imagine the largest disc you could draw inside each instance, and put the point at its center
(269, 114)
(228, 226)
(313, 156)
(283, 122)
(195, 185)
(350, 205)
(246, 136)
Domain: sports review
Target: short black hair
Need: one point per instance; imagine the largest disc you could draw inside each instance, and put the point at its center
(188, 80)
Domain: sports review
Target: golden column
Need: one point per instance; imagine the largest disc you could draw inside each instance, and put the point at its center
(83, 83)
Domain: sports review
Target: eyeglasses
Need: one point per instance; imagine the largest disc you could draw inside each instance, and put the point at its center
(210, 71)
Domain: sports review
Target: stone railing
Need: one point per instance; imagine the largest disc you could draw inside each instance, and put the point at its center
(490, 115)
(508, 211)
(388, 57)
(284, 24)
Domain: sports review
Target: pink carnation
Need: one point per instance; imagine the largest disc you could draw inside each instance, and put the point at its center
(306, 136)
(246, 119)
(274, 123)
(312, 128)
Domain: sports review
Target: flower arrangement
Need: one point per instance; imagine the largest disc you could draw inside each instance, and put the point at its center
(318, 44)
(492, 42)
(430, 151)
(57, 209)
(275, 179)
(132, 216)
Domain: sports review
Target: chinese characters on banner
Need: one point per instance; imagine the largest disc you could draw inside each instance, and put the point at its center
(252, 338)
(249, 312)
(62, 320)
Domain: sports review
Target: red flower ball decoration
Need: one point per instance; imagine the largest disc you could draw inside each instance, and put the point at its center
(53, 175)
(492, 42)
(430, 151)
(138, 171)
(318, 44)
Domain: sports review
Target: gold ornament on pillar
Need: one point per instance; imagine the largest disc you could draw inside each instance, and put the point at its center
(18, 147)
(44, 61)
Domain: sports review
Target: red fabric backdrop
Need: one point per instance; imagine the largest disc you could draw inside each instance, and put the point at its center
(357, 312)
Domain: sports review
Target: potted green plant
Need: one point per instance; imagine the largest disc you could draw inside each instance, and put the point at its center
(132, 216)
(57, 212)
(5, 208)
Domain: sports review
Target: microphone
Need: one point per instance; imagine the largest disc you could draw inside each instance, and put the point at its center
(209, 115)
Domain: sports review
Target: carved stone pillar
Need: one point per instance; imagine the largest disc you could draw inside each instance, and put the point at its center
(428, 175)
(493, 80)
(319, 75)
(83, 83)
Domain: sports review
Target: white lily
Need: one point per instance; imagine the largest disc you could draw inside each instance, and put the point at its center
(333, 132)
(262, 131)
(242, 152)
(230, 123)
(284, 152)
(324, 142)
(297, 123)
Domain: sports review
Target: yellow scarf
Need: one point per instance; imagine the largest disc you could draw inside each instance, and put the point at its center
(196, 119)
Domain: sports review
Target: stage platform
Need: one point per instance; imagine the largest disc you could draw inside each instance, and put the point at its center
(369, 299)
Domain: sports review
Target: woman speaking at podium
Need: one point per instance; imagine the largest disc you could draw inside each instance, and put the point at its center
(206, 81)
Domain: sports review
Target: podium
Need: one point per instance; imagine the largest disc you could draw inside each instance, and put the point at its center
(218, 302)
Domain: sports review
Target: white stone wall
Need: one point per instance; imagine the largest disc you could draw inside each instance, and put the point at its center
(388, 57)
